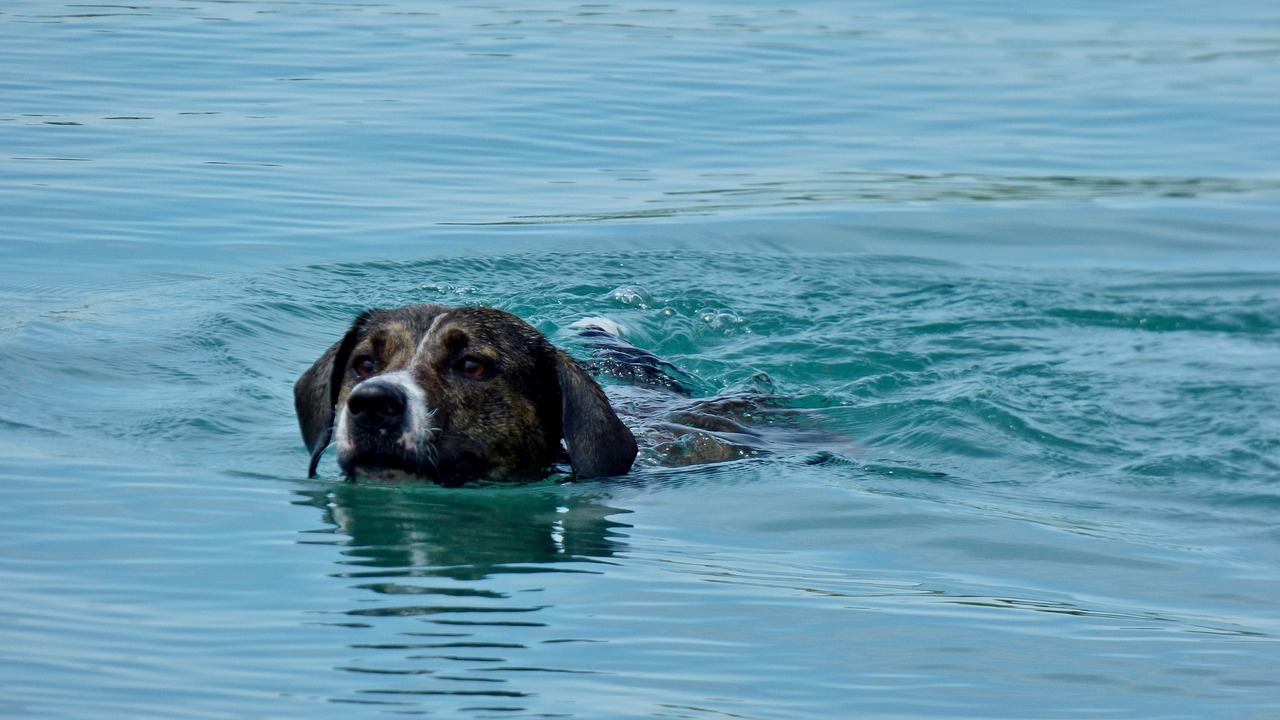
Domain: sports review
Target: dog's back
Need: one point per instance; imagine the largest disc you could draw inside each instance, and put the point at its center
(676, 428)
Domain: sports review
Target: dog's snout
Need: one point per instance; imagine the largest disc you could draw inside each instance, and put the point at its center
(377, 405)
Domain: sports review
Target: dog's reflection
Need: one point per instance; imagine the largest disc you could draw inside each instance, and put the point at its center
(466, 535)
(452, 591)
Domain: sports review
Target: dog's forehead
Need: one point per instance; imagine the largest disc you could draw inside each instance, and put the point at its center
(398, 327)
(487, 324)
(412, 319)
(492, 332)
(436, 327)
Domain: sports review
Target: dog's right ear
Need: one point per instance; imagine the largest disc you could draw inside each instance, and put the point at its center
(599, 443)
(315, 394)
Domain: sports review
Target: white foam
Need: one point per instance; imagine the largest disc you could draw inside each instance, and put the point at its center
(604, 324)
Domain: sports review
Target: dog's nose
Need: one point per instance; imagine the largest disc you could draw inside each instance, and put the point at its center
(376, 405)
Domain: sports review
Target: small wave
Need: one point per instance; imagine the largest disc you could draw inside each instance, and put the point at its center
(869, 187)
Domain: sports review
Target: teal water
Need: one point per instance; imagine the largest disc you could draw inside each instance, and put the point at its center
(1019, 262)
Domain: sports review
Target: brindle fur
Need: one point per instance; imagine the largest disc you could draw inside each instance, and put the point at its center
(504, 425)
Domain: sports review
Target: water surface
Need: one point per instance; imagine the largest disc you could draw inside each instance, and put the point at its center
(1019, 262)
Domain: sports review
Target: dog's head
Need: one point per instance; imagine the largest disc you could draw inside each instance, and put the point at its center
(456, 394)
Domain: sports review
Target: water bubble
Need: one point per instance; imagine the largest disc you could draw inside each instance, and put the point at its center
(631, 296)
(451, 289)
(723, 320)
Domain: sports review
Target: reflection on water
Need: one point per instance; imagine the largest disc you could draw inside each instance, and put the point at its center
(538, 600)
(450, 581)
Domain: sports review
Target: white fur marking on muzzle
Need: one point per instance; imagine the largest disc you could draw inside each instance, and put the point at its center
(418, 433)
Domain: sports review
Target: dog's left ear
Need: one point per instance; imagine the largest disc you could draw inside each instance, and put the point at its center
(599, 444)
(315, 394)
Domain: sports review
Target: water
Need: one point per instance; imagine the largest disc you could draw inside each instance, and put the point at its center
(1019, 260)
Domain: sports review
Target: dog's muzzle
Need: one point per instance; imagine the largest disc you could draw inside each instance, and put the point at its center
(384, 428)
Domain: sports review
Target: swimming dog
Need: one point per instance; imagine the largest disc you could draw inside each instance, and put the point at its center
(453, 395)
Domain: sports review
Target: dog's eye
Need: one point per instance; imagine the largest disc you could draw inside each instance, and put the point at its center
(475, 367)
(364, 367)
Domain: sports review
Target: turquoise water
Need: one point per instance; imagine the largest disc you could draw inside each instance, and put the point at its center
(1021, 263)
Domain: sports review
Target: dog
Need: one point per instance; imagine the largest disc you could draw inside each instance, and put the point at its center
(457, 394)
(454, 395)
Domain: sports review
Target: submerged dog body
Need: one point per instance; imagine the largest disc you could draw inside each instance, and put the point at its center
(453, 395)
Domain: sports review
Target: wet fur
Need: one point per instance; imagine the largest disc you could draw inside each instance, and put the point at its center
(505, 425)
